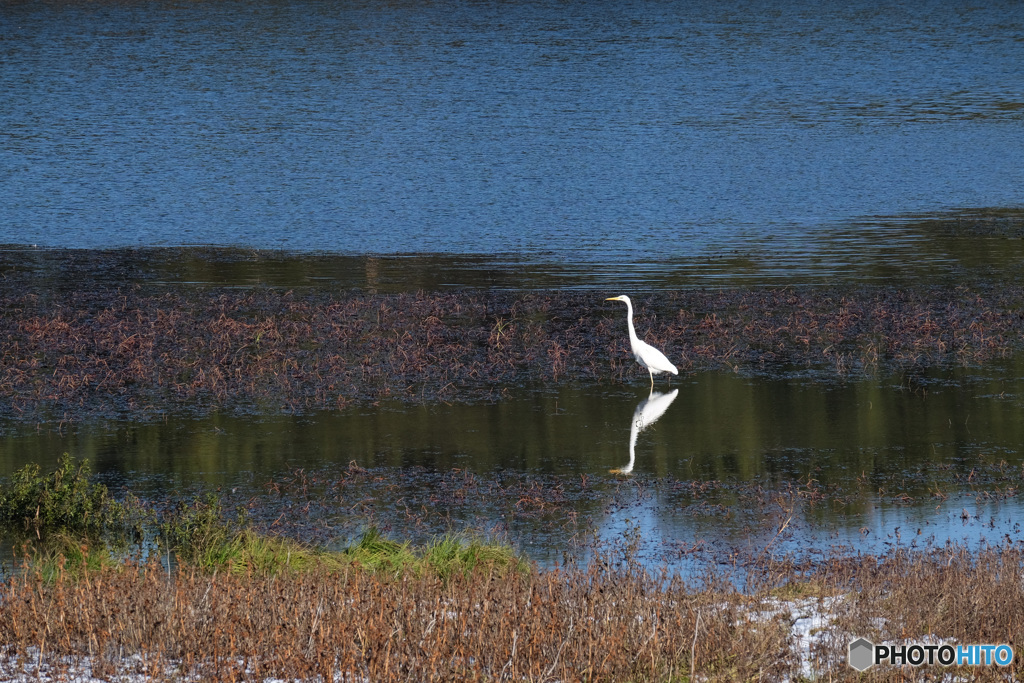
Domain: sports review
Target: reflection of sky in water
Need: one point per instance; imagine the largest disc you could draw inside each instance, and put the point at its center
(669, 535)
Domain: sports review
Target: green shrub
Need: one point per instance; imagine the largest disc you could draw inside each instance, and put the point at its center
(64, 500)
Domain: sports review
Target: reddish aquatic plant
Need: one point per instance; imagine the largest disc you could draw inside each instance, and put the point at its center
(108, 351)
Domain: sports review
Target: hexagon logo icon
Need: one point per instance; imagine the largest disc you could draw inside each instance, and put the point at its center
(861, 654)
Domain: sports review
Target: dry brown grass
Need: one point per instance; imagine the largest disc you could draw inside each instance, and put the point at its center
(359, 625)
(596, 624)
(953, 595)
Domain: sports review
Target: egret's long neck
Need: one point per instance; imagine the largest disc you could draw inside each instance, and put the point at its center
(629, 321)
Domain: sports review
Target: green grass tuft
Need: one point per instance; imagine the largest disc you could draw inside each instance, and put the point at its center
(375, 552)
(65, 555)
(452, 555)
(199, 535)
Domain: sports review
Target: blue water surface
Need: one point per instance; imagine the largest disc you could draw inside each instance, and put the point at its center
(583, 132)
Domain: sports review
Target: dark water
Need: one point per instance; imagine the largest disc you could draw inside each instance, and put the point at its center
(954, 248)
(717, 426)
(658, 138)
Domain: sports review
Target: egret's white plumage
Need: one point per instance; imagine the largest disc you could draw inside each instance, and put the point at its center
(646, 355)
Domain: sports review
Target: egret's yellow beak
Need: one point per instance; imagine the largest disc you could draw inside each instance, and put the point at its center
(612, 298)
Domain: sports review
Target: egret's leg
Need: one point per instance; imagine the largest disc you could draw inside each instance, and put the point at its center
(652, 378)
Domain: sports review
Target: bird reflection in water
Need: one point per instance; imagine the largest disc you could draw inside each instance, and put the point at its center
(646, 413)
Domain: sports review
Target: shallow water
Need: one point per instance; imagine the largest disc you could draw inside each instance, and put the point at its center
(717, 426)
(851, 463)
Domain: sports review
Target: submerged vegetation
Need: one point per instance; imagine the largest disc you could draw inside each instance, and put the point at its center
(112, 351)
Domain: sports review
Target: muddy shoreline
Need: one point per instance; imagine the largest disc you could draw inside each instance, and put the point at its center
(99, 351)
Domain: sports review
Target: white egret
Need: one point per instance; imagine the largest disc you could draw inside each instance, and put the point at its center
(646, 355)
(647, 411)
